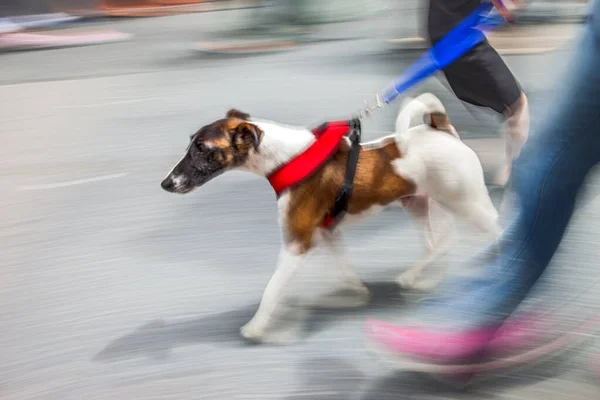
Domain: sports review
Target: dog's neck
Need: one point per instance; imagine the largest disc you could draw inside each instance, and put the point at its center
(279, 144)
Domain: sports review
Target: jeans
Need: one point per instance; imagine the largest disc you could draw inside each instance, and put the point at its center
(546, 178)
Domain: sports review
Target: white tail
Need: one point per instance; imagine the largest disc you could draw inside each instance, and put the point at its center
(413, 112)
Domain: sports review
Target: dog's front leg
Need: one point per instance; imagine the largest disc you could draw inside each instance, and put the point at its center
(290, 260)
(354, 292)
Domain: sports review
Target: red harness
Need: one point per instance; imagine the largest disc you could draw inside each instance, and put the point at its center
(301, 167)
(329, 135)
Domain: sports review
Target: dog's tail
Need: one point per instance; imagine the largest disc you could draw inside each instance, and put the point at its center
(426, 105)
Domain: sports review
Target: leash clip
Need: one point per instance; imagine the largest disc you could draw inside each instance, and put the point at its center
(368, 110)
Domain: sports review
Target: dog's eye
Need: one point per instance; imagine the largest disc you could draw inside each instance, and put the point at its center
(198, 146)
(195, 150)
(200, 149)
(203, 148)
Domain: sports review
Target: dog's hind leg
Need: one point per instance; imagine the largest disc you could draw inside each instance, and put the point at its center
(290, 260)
(353, 293)
(419, 208)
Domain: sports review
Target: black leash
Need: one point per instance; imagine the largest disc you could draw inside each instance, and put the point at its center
(340, 207)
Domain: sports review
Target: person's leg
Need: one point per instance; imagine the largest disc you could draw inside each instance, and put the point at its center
(516, 132)
(546, 179)
(481, 78)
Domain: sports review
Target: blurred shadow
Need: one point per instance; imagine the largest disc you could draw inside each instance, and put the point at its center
(327, 379)
(331, 379)
(417, 386)
(384, 295)
(157, 338)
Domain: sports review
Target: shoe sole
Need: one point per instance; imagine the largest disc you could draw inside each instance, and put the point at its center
(553, 348)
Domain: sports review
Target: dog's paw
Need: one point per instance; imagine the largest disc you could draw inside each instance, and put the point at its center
(410, 281)
(253, 332)
(407, 280)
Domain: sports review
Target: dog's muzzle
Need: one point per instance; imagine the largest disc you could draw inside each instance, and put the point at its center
(168, 184)
(177, 184)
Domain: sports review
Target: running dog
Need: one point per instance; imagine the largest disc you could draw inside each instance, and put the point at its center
(424, 161)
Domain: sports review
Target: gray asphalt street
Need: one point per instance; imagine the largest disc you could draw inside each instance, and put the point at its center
(112, 289)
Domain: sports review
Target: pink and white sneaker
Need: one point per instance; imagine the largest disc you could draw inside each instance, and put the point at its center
(516, 342)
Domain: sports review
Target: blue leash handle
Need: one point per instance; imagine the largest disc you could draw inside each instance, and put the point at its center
(457, 42)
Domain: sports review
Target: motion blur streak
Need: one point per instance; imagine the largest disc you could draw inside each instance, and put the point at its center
(114, 289)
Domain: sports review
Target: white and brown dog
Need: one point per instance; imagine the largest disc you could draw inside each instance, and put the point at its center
(419, 163)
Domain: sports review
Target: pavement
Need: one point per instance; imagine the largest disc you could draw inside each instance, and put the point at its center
(111, 288)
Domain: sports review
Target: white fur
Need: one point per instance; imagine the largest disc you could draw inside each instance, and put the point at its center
(279, 144)
(288, 263)
(178, 179)
(444, 169)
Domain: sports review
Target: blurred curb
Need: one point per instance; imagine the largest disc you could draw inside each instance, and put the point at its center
(21, 41)
(247, 47)
(156, 8)
(552, 12)
(528, 39)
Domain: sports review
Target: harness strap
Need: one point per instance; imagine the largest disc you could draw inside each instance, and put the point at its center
(340, 207)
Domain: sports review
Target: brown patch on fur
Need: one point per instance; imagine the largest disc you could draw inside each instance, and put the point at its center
(375, 183)
(220, 142)
(440, 121)
(230, 140)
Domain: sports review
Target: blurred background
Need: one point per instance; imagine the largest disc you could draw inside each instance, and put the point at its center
(111, 288)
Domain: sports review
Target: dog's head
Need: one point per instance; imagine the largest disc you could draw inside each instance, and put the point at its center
(215, 148)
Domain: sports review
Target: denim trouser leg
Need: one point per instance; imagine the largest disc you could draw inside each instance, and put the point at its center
(563, 147)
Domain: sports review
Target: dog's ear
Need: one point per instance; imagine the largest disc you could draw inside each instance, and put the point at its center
(247, 134)
(233, 113)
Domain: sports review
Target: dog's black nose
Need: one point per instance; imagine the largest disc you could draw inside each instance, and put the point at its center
(167, 185)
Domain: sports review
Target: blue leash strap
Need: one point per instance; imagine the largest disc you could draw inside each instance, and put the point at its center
(456, 43)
